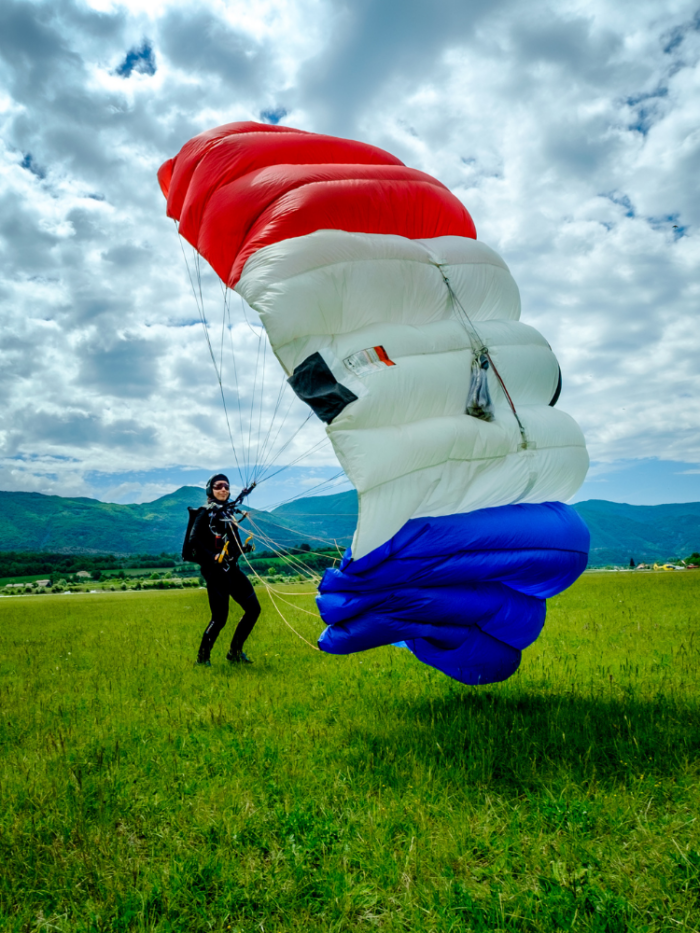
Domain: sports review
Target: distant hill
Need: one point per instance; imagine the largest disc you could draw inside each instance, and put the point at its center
(644, 532)
(321, 518)
(30, 521)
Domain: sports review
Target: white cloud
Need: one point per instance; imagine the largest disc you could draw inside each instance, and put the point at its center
(569, 130)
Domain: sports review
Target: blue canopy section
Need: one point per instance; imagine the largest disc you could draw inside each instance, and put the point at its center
(466, 593)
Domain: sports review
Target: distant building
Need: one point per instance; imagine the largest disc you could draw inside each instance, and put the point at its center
(84, 574)
(41, 582)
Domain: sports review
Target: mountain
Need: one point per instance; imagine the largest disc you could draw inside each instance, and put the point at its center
(644, 532)
(30, 521)
(323, 519)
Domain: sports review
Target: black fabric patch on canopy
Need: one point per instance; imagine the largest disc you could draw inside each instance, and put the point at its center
(316, 385)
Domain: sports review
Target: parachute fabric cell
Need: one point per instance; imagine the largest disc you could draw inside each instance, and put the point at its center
(242, 187)
(466, 593)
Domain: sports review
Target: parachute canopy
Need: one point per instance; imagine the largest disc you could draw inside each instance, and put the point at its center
(383, 309)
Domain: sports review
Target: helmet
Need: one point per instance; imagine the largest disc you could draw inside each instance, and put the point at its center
(210, 483)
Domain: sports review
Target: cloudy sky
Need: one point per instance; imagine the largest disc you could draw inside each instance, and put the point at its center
(571, 132)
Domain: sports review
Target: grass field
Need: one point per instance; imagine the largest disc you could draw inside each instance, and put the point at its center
(312, 793)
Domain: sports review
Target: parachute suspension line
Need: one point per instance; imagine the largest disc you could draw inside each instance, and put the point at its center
(260, 411)
(279, 612)
(306, 453)
(298, 558)
(202, 317)
(480, 350)
(284, 447)
(264, 450)
(221, 344)
(227, 314)
(245, 315)
(225, 318)
(205, 325)
(267, 456)
(266, 453)
(271, 454)
(302, 495)
(326, 541)
(298, 608)
(252, 399)
(292, 561)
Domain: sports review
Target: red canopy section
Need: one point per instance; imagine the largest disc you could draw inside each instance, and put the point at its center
(243, 186)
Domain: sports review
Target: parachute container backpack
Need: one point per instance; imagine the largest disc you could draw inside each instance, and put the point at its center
(401, 330)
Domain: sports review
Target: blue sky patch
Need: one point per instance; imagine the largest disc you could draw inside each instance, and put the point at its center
(31, 166)
(141, 60)
(273, 116)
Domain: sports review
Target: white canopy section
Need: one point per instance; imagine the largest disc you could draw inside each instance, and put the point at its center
(405, 442)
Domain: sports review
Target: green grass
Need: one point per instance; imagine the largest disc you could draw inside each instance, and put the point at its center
(313, 793)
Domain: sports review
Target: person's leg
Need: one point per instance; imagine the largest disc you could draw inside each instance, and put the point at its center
(241, 590)
(217, 591)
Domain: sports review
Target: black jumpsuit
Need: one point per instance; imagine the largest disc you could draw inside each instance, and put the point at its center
(212, 529)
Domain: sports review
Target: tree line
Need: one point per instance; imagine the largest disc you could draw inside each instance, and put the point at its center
(55, 566)
(31, 563)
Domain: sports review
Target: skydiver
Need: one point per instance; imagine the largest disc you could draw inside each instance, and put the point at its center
(217, 546)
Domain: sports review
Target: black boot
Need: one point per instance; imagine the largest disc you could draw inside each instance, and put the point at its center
(206, 645)
(205, 650)
(203, 653)
(238, 657)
